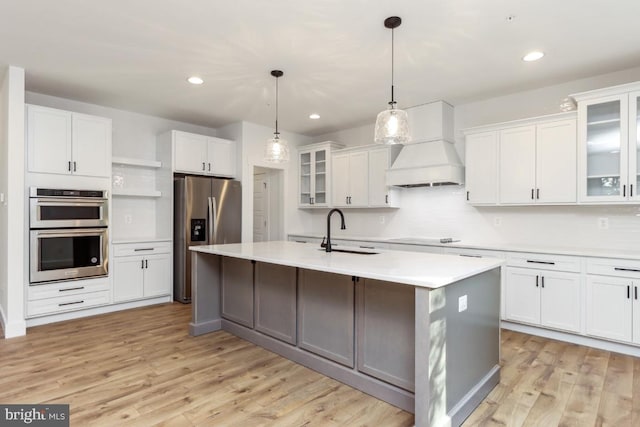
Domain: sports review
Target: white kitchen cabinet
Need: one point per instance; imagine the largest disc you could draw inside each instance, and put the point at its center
(141, 270)
(350, 177)
(608, 148)
(613, 304)
(380, 194)
(481, 169)
(544, 290)
(524, 162)
(61, 297)
(203, 155)
(537, 163)
(314, 180)
(67, 143)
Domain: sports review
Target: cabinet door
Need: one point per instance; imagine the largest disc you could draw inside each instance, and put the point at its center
(634, 146)
(91, 147)
(48, 140)
(157, 275)
(304, 178)
(609, 308)
(221, 157)
(128, 277)
(189, 152)
(378, 190)
(522, 295)
(386, 326)
(359, 179)
(636, 311)
(603, 149)
(321, 168)
(237, 290)
(517, 165)
(326, 315)
(481, 171)
(340, 179)
(276, 301)
(560, 300)
(556, 158)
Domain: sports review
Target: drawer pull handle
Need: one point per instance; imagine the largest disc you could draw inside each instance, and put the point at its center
(541, 262)
(471, 256)
(71, 289)
(142, 249)
(634, 270)
(300, 241)
(367, 247)
(70, 303)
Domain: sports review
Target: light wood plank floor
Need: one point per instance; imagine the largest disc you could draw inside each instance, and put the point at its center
(141, 368)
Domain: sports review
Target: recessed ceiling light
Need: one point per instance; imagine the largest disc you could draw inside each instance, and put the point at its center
(533, 56)
(195, 80)
(314, 116)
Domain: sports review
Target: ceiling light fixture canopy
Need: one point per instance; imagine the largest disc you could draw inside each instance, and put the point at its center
(392, 125)
(277, 149)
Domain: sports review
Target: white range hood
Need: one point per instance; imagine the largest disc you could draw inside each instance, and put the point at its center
(431, 159)
(426, 164)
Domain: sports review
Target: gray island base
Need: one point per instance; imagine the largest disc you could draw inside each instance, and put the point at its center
(413, 345)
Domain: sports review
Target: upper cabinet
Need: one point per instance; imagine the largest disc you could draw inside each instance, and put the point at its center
(62, 142)
(524, 162)
(203, 155)
(314, 166)
(380, 194)
(609, 145)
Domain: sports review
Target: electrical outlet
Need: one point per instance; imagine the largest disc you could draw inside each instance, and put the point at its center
(603, 223)
(497, 221)
(382, 219)
(128, 219)
(462, 303)
(1, 197)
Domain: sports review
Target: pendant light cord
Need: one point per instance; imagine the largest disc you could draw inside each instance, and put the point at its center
(276, 132)
(393, 102)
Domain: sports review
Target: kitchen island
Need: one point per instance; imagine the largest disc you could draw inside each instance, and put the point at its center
(420, 331)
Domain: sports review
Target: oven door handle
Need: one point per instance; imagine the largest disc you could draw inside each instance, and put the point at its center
(71, 232)
(67, 202)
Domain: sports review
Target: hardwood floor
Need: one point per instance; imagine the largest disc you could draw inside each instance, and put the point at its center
(140, 367)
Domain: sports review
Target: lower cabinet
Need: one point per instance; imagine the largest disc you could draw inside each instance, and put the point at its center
(61, 297)
(386, 338)
(275, 311)
(237, 290)
(141, 270)
(326, 315)
(543, 297)
(613, 308)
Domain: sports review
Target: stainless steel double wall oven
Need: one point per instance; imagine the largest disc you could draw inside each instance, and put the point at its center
(68, 232)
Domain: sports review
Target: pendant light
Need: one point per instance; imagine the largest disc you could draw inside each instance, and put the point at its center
(277, 150)
(392, 125)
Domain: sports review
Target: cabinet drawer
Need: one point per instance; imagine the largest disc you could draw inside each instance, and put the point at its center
(544, 261)
(613, 267)
(54, 290)
(67, 303)
(128, 249)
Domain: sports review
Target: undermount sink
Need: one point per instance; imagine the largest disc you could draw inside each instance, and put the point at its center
(351, 251)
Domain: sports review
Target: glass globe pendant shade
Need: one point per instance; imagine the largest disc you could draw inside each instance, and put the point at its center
(276, 150)
(392, 127)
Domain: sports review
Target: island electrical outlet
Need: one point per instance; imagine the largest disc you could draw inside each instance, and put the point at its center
(462, 303)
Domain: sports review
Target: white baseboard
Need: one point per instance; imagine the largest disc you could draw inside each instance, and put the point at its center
(572, 338)
(12, 329)
(37, 321)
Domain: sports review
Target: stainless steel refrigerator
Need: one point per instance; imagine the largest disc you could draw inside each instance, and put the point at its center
(207, 211)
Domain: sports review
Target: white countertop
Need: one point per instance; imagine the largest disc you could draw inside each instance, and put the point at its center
(410, 268)
(505, 247)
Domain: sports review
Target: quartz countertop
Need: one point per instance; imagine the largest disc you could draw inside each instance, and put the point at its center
(410, 268)
(504, 247)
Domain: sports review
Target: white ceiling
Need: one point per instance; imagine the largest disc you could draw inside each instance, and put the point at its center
(335, 54)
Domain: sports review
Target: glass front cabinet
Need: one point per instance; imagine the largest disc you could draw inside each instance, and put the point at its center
(314, 180)
(609, 144)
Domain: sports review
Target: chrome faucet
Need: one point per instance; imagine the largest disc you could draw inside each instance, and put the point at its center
(327, 245)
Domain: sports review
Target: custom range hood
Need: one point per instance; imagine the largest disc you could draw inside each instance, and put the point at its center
(431, 158)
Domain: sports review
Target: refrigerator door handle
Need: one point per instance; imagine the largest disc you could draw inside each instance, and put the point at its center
(212, 220)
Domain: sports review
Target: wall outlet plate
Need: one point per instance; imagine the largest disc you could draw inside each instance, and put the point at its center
(603, 223)
(497, 221)
(462, 303)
